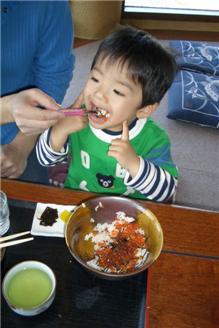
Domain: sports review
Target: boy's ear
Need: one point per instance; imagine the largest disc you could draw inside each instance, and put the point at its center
(146, 111)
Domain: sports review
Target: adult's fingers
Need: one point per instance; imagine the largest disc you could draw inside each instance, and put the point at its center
(125, 131)
(13, 176)
(35, 127)
(42, 99)
(7, 170)
(37, 114)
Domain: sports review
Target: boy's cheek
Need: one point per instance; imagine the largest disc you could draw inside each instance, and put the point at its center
(86, 101)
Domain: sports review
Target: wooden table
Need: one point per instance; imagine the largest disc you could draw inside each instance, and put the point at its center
(185, 279)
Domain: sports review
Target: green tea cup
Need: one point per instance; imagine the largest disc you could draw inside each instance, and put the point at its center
(29, 287)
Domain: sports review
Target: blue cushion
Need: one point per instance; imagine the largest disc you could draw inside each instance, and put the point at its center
(197, 56)
(194, 97)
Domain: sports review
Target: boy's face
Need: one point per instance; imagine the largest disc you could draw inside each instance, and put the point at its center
(113, 94)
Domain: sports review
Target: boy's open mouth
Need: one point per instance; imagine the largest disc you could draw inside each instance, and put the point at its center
(99, 113)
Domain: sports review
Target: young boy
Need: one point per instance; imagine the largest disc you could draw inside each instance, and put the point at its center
(116, 148)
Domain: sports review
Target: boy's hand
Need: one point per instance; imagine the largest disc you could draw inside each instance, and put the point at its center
(68, 125)
(61, 130)
(71, 124)
(123, 152)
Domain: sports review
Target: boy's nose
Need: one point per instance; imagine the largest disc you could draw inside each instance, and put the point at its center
(100, 93)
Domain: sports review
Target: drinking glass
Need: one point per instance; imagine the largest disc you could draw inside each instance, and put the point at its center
(4, 214)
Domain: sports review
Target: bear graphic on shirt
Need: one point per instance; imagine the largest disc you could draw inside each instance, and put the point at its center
(105, 181)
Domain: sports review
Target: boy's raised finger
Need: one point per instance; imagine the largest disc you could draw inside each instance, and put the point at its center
(125, 131)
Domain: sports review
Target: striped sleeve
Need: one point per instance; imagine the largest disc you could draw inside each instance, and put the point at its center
(46, 155)
(152, 181)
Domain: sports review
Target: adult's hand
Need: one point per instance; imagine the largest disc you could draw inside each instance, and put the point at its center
(13, 157)
(24, 108)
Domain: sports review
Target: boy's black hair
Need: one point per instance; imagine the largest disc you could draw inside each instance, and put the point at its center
(148, 62)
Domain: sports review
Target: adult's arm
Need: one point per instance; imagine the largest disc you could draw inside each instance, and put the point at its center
(54, 59)
(23, 108)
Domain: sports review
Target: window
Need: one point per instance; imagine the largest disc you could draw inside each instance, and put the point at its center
(170, 7)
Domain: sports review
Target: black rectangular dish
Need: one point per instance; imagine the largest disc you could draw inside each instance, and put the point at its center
(82, 299)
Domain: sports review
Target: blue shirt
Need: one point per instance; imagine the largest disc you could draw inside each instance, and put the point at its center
(36, 45)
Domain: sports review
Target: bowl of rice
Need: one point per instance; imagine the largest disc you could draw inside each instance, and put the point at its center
(114, 237)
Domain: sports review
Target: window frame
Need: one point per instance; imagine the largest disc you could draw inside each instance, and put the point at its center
(167, 16)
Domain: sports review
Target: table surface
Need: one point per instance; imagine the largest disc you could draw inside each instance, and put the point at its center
(184, 286)
(82, 299)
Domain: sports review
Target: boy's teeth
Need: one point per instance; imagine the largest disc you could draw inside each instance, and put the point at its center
(102, 112)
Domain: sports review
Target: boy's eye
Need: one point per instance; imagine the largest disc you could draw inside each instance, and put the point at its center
(118, 93)
(94, 79)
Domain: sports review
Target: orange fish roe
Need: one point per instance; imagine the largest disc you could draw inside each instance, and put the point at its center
(119, 246)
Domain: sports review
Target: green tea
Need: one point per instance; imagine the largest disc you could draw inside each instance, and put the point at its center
(29, 288)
